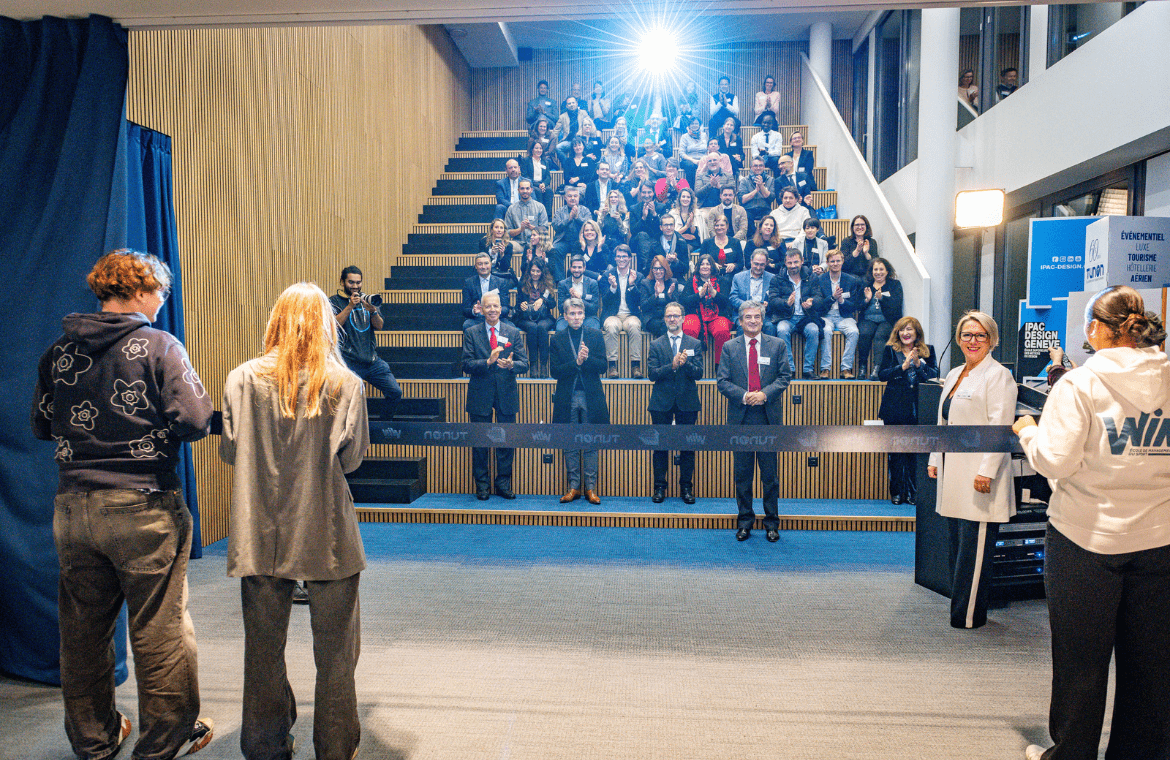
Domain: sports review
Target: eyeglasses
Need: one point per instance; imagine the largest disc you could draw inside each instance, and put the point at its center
(976, 337)
(657, 269)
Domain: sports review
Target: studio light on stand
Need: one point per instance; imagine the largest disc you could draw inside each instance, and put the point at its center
(979, 208)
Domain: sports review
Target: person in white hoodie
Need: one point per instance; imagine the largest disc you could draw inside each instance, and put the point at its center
(1104, 443)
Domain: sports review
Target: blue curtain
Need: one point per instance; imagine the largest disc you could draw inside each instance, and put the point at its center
(150, 226)
(62, 89)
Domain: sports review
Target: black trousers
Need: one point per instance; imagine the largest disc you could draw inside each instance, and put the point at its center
(902, 476)
(481, 465)
(686, 467)
(1102, 607)
(971, 584)
(745, 463)
(871, 342)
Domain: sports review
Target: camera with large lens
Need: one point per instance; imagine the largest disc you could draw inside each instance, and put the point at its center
(373, 299)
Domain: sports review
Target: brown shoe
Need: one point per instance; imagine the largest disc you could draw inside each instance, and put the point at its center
(824, 374)
(847, 374)
(636, 370)
(592, 496)
(572, 495)
(613, 371)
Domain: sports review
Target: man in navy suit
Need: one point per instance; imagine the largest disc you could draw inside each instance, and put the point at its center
(674, 364)
(752, 285)
(479, 285)
(797, 305)
(493, 356)
(508, 188)
(802, 182)
(579, 285)
(842, 294)
(753, 374)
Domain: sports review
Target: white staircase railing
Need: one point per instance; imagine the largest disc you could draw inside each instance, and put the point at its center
(858, 191)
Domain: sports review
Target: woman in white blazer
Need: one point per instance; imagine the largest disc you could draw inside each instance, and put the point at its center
(975, 489)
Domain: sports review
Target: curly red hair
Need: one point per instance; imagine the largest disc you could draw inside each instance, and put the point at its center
(124, 273)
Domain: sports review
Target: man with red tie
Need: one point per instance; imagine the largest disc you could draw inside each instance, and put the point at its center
(493, 356)
(753, 374)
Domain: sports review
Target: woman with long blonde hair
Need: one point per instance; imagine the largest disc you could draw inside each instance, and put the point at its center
(294, 422)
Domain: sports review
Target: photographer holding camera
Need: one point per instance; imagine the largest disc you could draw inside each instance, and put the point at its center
(356, 313)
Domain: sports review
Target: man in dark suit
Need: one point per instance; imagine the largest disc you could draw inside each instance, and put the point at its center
(480, 284)
(802, 182)
(644, 216)
(597, 190)
(492, 356)
(674, 364)
(842, 294)
(670, 245)
(753, 374)
(579, 285)
(508, 188)
(797, 305)
(578, 361)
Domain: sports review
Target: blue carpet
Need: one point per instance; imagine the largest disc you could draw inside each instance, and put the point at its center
(842, 507)
(796, 551)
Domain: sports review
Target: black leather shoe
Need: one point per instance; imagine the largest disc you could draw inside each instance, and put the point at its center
(482, 495)
(743, 534)
(773, 535)
(897, 498)
(505, 493)
(688, 496)
(659, 496)
(910, 500)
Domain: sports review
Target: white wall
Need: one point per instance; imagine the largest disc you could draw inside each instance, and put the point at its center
(1158, 185)
(1100, 108)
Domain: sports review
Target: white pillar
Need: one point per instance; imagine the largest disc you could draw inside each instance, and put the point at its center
(820, 51)
(937, 121)
(1037, 40)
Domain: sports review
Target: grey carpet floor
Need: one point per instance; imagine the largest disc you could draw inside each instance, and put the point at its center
(483, 661)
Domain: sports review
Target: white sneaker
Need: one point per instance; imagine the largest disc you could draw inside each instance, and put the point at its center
(1033, 752)
(201, 734)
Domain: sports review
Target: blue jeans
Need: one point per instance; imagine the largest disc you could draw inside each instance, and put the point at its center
(811, 329)
(563, 152)
(377, 373)
(846, 325)
(120, 545)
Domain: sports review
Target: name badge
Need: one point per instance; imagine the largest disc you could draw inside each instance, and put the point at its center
(689, 351)
(662, 295)
(963, 393)
(765, 360)
(588, 296)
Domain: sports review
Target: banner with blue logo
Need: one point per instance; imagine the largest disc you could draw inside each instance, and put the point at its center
(1040, 329)
(1056, 259)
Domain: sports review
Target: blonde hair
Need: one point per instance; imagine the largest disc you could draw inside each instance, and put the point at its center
(985, 321)
(301, 337)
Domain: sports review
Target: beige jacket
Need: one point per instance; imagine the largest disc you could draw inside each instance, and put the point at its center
(292, 513)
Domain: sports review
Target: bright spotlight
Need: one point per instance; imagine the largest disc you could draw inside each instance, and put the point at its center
(657, 51)
(979, 208)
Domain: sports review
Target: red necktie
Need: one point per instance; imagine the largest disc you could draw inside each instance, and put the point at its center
(493, 338)
(753, 367)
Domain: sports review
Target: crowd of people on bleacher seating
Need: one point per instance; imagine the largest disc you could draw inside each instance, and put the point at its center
(655, 212)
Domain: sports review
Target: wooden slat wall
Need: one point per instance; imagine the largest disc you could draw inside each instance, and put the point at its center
(841, 88)
(499, 96)
(290, 162)
(838, 476)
